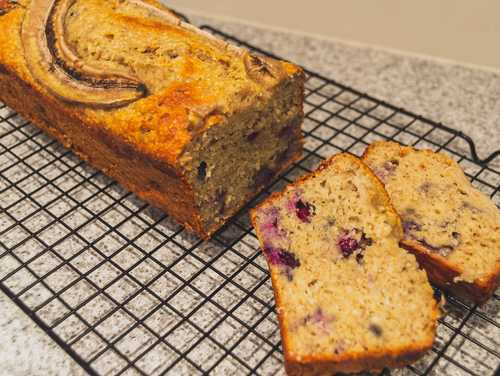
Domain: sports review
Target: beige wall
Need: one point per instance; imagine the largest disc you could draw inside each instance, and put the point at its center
(462, 30)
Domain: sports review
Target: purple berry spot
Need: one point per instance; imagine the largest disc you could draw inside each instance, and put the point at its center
(409, 226)
(301, 208)
(348, 245)
(284, 259)
(288, 259)
(304, 211)
(353, 240)
(280, 257)
(318, 318)
(202, 171)
(252, 136)
(387, 169)
(269, 226)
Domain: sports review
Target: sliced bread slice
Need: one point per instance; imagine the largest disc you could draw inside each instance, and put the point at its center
(452, 228)
(348, 298)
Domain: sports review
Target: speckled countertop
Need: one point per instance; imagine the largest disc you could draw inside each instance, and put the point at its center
(463, 98)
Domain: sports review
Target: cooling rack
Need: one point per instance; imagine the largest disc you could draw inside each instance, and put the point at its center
(125, 290)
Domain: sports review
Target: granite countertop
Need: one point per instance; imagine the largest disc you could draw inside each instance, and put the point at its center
(461, 97)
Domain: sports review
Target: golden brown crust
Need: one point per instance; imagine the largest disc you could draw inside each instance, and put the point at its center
(439, 270)
(113, 140)
(353, 364)
(443, 274)
(346, 362)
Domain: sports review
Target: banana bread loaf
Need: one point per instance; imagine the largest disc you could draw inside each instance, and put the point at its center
(452, 228)
(348, 298)
(189, 123)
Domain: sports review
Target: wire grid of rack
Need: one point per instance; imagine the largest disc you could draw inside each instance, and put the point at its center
(125, 290)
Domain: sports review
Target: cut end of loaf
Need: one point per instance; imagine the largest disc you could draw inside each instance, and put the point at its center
(349, 299)
(235, 159)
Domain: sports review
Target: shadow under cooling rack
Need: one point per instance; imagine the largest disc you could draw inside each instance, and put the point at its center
(125, 290)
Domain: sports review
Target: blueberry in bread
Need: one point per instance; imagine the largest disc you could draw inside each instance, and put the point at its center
(452, 228)
(348, 298)
(189, 123)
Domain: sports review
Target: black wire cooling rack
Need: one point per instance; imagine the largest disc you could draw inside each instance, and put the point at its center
(125, 290)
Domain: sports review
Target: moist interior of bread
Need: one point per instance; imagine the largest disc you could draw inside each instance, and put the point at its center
(333, 304)
(441, 208)
(237, 158)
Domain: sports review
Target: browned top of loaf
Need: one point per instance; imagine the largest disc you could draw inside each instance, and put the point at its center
(192, 80)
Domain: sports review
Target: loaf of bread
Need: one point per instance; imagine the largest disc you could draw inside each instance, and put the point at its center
(348, 298)
(192, 125)
(452, 228)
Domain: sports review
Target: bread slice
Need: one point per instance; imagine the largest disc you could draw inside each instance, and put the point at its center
(348, 298)
(452, 228)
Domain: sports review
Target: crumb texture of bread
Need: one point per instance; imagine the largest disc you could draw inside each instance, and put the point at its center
(452, 227)
(348, 297)
(212, 121)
